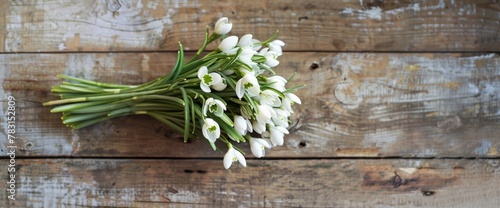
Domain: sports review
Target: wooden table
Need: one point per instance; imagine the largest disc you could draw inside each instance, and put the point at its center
(401, 107)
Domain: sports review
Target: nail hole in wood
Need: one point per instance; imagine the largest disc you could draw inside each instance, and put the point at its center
(428, 193)
(314, 66)
(302, 144)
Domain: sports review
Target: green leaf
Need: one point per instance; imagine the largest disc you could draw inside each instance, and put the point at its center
(227, 120)
(187, 115)
(178, 68)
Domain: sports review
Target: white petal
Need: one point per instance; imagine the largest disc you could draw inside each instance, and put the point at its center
(249, 125)
(228, 158)
(255, 89)
(256, 149)
(287, 105)
(202, 71)
(217, 132)
(264, 115)
(206, 133)
(240, 158)
(204, 87)
(263, 51)
(222, 20)
(219, 86)
(239, 88)
(222, 26)
(276, 48)
(224, 29)
(293, 98)
(258, 127)
(282, 129)
(277, 137)
(271, 62)
(240, 125)
(228, 44)
(266, 143)
(278, 42)
(220, 104)
(278, 79)
(256, 44)
(246, 56)
(245, 41)
(216, 78)
(211, 136)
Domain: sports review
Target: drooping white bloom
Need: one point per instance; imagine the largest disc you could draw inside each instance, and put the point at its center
(258, 127)
(264, 114)
(246, 56)
(207, 79)
(211, 130)
(233, 155)
(290, 99)
(222, 26)
(215, 106)
(256, 44)
(271, 57)
(249, 84)
(270, 98)
(277, 133)
(281, 118)
(277, 82)
(245, 41)
(240, 125)
(220, 85)
(228, 45)
(258, 146)
(275, 46)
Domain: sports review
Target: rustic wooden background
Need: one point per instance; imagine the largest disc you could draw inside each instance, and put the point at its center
(401, 107)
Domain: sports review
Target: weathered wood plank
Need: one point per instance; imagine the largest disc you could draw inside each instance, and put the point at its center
(266, 183)
(355, 104)
(319, 25)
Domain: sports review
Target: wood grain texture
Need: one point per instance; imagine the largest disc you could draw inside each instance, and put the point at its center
(355, 104)
(318, 25)
(270, 183)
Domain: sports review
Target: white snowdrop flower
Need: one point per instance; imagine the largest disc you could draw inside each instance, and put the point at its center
(270, 98)
(228, 45)
(277, 133)
(222, 26)
(258, 146)
(215, 106)
(281, 118)
(245, 41)
(289, 100)
(271, 57)
(258, 127)
(264, 114)
(277, 82)
(207, 79)
(232, 155)
(240, 125)
(246, 56)
(256, 44)
(275, 46)
(211, 130)
(249, 84)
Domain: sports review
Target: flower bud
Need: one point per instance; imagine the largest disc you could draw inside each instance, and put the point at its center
(222, 26)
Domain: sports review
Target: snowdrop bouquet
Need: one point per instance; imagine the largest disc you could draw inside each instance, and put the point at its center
(230, 94)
